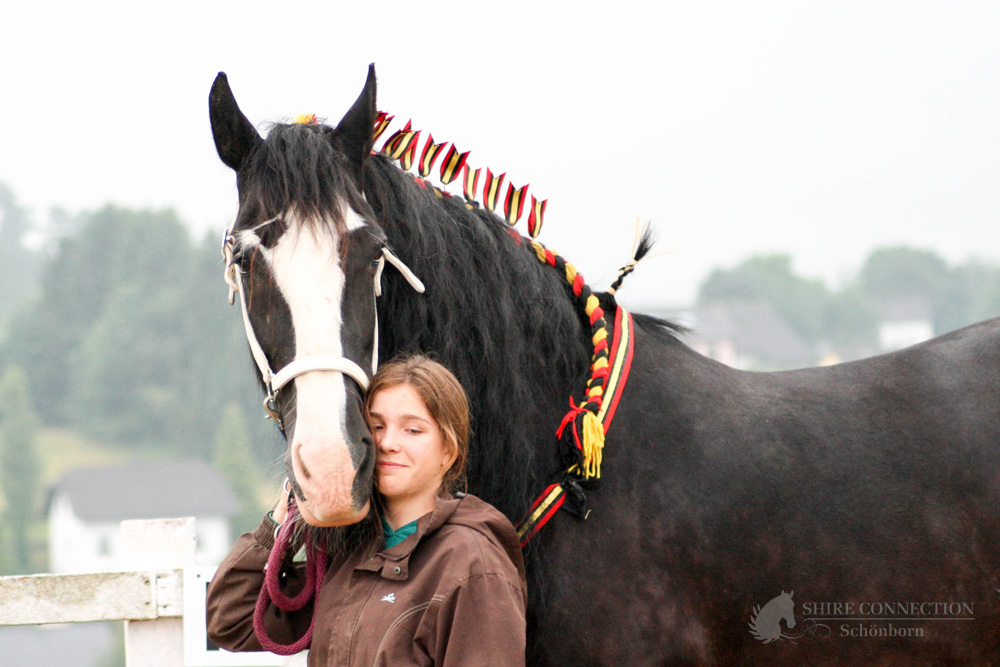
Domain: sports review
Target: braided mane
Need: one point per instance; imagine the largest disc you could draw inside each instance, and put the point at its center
(501, 321)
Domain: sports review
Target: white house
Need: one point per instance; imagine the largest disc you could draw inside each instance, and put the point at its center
(87, 505)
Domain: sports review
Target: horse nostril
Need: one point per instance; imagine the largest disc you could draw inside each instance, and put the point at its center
(300, 461)
(303, 468)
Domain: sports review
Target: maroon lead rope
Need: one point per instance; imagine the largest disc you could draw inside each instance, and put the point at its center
(316, 564)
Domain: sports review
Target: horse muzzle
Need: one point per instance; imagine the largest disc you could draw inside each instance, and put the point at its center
(325, 480)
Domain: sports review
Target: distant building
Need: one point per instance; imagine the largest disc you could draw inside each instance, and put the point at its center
(87, 505)
(748, 335)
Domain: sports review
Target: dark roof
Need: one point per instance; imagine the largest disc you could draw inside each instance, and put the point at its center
(144, 490)
(757, 330)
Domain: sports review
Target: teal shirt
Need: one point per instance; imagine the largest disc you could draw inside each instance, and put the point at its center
(394, 537)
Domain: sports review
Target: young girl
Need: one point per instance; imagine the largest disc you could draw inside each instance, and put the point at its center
(442, 584)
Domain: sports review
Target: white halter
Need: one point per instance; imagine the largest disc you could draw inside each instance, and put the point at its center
(275, 381)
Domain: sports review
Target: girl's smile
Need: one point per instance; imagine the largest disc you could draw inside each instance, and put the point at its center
(411, 458)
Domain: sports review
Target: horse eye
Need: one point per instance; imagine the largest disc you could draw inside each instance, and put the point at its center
(241, 258)
(271, 232)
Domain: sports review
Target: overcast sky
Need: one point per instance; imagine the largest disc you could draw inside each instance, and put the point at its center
(822, 130)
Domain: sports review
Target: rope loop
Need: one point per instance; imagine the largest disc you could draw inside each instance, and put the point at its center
(317, 562)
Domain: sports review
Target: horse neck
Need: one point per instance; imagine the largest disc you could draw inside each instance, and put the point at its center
(504, 323)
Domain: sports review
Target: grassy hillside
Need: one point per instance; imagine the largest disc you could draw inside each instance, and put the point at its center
(60, 451)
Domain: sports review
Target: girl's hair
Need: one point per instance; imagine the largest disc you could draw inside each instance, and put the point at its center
(444, 398)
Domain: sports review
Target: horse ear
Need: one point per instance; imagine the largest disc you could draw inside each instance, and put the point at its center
(355, 132)
(235, 136)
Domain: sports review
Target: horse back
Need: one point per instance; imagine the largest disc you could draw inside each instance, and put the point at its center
(871, 480)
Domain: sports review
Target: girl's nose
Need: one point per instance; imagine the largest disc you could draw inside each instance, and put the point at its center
(387, 442)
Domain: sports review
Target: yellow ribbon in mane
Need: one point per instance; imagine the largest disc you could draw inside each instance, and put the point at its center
(593, 446)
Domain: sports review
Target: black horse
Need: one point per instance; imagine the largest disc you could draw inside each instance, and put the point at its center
(870, 488)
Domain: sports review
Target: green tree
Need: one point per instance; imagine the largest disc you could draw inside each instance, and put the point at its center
(988, 304)
(115, 248)
(125, 380)
(19, 469)
(850, 319)
(234, 459)
(130, 338)
(956, 296)
(900, 272)
(18, 264)
(966, 296)
(799, 301)
(217, 356)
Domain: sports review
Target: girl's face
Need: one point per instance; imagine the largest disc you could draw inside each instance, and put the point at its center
(411, 457)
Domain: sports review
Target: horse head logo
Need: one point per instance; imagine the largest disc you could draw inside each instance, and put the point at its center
(765, 622)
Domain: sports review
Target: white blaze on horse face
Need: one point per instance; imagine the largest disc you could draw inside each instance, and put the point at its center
(305, 263)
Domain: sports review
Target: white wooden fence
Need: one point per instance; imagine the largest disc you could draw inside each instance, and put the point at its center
(149, 598)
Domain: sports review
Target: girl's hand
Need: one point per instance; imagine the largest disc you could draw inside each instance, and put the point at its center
(280, 512)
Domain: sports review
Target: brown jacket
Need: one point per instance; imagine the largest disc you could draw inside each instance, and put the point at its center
(453, 593)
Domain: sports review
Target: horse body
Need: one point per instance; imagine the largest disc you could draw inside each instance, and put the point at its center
(873, 480)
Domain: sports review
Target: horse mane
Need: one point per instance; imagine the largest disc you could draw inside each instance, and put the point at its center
(499, 319)
(659, 326)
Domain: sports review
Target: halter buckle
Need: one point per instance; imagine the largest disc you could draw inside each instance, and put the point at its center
(271, 408)
(228, 242)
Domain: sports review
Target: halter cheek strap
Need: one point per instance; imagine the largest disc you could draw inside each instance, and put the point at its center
(273, 382)
(389, 256)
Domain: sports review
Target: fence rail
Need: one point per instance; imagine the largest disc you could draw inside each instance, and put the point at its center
(81, 598)
(149, 598)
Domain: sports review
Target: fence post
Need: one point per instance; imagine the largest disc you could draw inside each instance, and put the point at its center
(159, 546)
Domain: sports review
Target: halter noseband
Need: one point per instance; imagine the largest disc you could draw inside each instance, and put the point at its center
(273, 382)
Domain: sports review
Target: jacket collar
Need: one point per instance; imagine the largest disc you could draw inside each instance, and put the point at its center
(394, 563)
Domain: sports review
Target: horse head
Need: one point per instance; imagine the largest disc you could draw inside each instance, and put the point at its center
(786, 608)
(304, 254)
